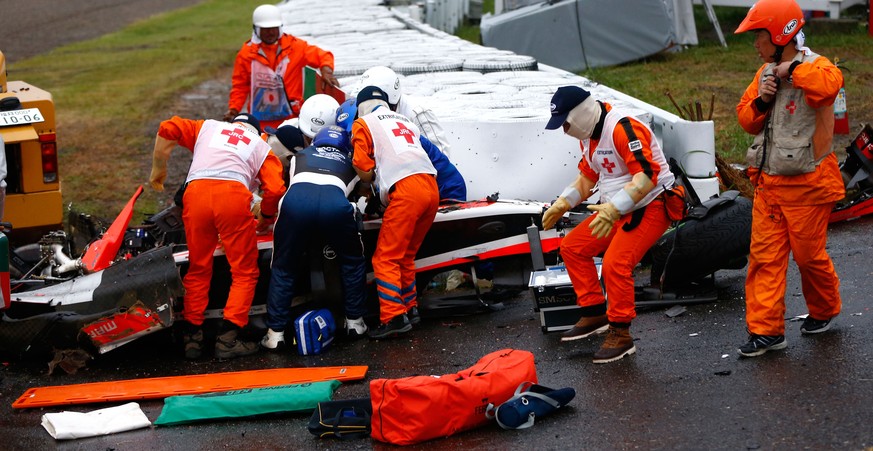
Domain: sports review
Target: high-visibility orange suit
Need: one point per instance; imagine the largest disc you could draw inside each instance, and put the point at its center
(229, 160)
(612, 166)
(623, 160)
(790, 212)
(270, 77)
(389, 143)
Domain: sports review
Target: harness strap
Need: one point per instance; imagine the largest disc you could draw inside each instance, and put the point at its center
(636, 219)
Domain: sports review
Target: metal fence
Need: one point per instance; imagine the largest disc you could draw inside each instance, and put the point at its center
(444, 15)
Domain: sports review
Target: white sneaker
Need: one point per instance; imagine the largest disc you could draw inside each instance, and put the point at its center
(273, 339)
(356, 327)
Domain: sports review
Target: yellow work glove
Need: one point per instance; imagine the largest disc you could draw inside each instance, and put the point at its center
(256, 210)
(160, 156)
(602, 224)
(555, 212)
(158, 177)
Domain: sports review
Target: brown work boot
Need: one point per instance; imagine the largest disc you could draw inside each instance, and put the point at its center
(618, 343)
(585, 327)
(228, 346)
(193, 340)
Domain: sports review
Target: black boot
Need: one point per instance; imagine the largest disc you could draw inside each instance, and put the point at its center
(228, 346)
(398, 325)
(192, 337)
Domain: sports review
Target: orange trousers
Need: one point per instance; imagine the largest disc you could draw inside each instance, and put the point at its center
(776, 230)
(621, 250)
(216, 209)
(412, 207)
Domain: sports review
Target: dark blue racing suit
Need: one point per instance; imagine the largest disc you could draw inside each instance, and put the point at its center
(450, 182)
(316, 206)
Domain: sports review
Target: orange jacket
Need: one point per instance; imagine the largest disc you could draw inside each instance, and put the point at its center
(820, 81)
(185, 133)
(299, 54)
(363, 156)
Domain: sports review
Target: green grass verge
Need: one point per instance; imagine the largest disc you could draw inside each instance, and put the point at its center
(110, 93)
(699, 72)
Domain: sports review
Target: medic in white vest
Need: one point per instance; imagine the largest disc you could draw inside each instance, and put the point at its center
(387, 147)
(230, 160)
(621, 158)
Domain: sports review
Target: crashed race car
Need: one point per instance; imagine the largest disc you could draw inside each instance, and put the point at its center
(127, 283)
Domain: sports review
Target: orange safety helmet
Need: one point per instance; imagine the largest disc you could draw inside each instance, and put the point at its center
(782, 18)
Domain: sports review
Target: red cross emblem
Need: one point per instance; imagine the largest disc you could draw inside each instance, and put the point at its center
(791, 107)
(235, 136)
(608, 165)
(404, 133)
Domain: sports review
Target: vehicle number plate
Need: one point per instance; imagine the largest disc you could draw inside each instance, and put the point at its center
(20, 117)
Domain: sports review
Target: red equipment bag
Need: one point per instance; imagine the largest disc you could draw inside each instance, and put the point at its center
(418, 408)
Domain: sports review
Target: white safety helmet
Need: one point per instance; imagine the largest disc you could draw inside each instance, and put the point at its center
(267, 16)
(294, 121)
(317, 112)
(385, 79)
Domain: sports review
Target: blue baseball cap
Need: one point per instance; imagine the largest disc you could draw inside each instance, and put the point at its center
(290, 136)
(248, 119)
(565, 99)
(370, 93)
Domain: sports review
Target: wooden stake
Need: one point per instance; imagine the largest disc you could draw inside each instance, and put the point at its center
(689, 110)
(711, 106)
(667, 93)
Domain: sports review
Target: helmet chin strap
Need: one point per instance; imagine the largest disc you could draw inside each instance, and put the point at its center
(777, 55)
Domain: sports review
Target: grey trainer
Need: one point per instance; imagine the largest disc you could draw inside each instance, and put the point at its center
(228, 346)
(759, 344)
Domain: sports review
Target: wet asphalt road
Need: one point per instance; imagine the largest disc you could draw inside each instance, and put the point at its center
(684, 389)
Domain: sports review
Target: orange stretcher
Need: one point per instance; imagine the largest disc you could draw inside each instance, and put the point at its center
(162, 387)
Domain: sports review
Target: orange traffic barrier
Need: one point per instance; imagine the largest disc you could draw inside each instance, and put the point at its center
(162, 387)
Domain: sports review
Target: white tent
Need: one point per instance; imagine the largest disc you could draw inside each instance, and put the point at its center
(577, 34)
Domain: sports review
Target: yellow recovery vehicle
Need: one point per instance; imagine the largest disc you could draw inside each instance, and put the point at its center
(33, 190)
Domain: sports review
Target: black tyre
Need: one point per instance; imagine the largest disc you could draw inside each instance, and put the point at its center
(718, 241)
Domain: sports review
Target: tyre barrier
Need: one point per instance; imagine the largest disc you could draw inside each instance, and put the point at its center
(442, 80)
(497, 144)
(501, 75)
(423, 65)
(529, 82)
(500, 63)
(538, 92)
(474, 89)
(352, 68)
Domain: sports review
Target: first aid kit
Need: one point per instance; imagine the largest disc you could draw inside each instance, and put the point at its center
(314, 332)
(554, 298)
